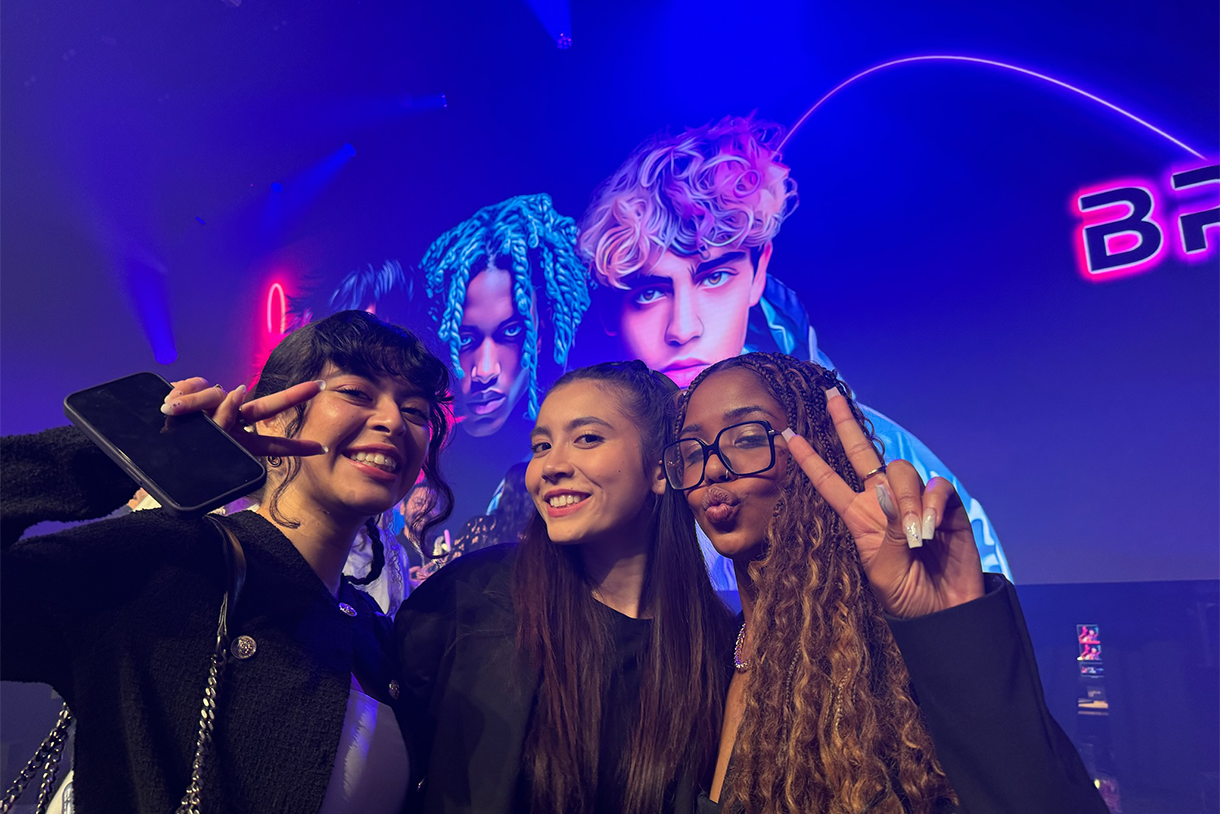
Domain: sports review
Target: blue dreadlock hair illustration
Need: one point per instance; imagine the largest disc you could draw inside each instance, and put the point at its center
(524, 236)
(386, 286)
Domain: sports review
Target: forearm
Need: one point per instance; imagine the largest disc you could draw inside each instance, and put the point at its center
(56, 474)
(974, 671)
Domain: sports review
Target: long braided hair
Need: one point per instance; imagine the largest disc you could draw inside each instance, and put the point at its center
(525, 236)
(829, 723)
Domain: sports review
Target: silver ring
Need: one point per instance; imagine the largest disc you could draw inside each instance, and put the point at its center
(876, 471)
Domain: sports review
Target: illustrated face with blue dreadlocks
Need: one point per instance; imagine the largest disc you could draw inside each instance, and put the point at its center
(680, 238)
(495, 281)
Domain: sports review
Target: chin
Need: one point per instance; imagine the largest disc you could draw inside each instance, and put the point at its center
(733, 547)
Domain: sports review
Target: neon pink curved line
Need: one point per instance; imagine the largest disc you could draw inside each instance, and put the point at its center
(994, 63)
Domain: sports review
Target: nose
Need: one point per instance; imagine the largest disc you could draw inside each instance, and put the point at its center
(684, 322)
(388, 418)
(556, 465)
(715, 471)
(485, 368)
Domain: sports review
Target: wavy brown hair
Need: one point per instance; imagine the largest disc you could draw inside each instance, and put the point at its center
(564, 633)
(829, 723)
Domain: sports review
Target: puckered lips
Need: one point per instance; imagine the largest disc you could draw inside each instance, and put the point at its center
(563, 502)
(380, 462)
(720, 506)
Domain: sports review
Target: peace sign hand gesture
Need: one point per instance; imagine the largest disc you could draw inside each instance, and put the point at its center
(915, 542)
(235, 415)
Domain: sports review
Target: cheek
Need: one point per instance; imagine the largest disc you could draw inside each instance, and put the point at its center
(640, 330)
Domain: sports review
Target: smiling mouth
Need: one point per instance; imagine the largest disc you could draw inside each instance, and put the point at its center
(564, 504)
(374, 459)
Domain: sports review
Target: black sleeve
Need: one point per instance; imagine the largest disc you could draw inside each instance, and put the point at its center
(973, 669)
(58, 592)
(56, 475)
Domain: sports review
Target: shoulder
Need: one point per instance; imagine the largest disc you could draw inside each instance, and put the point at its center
(485, 572)
(481, 568)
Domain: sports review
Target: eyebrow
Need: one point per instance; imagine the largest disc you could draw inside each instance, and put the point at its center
(723, 260)
(637, 280)
(729, 417)
(574, 424)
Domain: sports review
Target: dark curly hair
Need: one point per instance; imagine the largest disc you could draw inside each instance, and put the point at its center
(357, 342)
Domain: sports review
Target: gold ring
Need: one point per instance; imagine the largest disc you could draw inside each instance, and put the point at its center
(876, 471)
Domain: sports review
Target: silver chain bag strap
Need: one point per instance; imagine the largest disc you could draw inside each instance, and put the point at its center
(46, 758)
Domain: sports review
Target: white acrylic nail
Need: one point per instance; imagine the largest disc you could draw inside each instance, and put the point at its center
(911, 526)
(887, 504)
(832, 393)
(929, 524)
(788, 434)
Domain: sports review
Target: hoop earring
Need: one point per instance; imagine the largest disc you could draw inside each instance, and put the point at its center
(274, 461)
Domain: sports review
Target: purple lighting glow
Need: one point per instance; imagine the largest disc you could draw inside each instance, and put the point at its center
(994, 64)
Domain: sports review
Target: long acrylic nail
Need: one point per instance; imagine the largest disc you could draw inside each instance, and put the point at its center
(887, 502)
(170, 408)
(910, 524)
(788, 434)
(929, 524)
(832, 393)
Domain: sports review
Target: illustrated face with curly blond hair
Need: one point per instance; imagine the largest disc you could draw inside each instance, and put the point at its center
(680, 238)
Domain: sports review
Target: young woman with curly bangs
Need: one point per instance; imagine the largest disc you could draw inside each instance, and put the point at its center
(308, 718)
(584, 669)
(877, 668)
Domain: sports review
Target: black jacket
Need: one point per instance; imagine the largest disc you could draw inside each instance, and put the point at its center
(978, 688)
(972, 667)
(119, 616)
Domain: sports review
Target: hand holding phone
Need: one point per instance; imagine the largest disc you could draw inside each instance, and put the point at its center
(187, 462)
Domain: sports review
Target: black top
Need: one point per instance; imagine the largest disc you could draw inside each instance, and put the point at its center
(621, 708)
(474, 695)
(119, 616)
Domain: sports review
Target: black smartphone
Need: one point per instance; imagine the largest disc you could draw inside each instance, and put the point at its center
(188, 463)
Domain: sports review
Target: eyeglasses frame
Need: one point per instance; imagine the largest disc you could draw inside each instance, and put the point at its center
(714, 447)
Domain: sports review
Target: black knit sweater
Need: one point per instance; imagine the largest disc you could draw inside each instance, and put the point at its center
(119, 616)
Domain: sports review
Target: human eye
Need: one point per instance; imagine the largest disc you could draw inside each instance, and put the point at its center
(647, 296)
(466, 340)
(416, 412)
(513, 331)
(539, 447)
(353, 392)
(717, 278)
(751, 439)
(589, 439)
(692, 453)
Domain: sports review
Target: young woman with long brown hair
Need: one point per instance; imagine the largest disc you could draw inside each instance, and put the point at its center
(878, 668)
(584, 669)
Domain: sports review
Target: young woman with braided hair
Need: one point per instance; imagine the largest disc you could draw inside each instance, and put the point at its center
(878, 668)
(308, 715)
(584, 669)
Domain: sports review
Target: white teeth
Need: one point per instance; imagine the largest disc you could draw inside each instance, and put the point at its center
(559, 501)
(375, 459)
